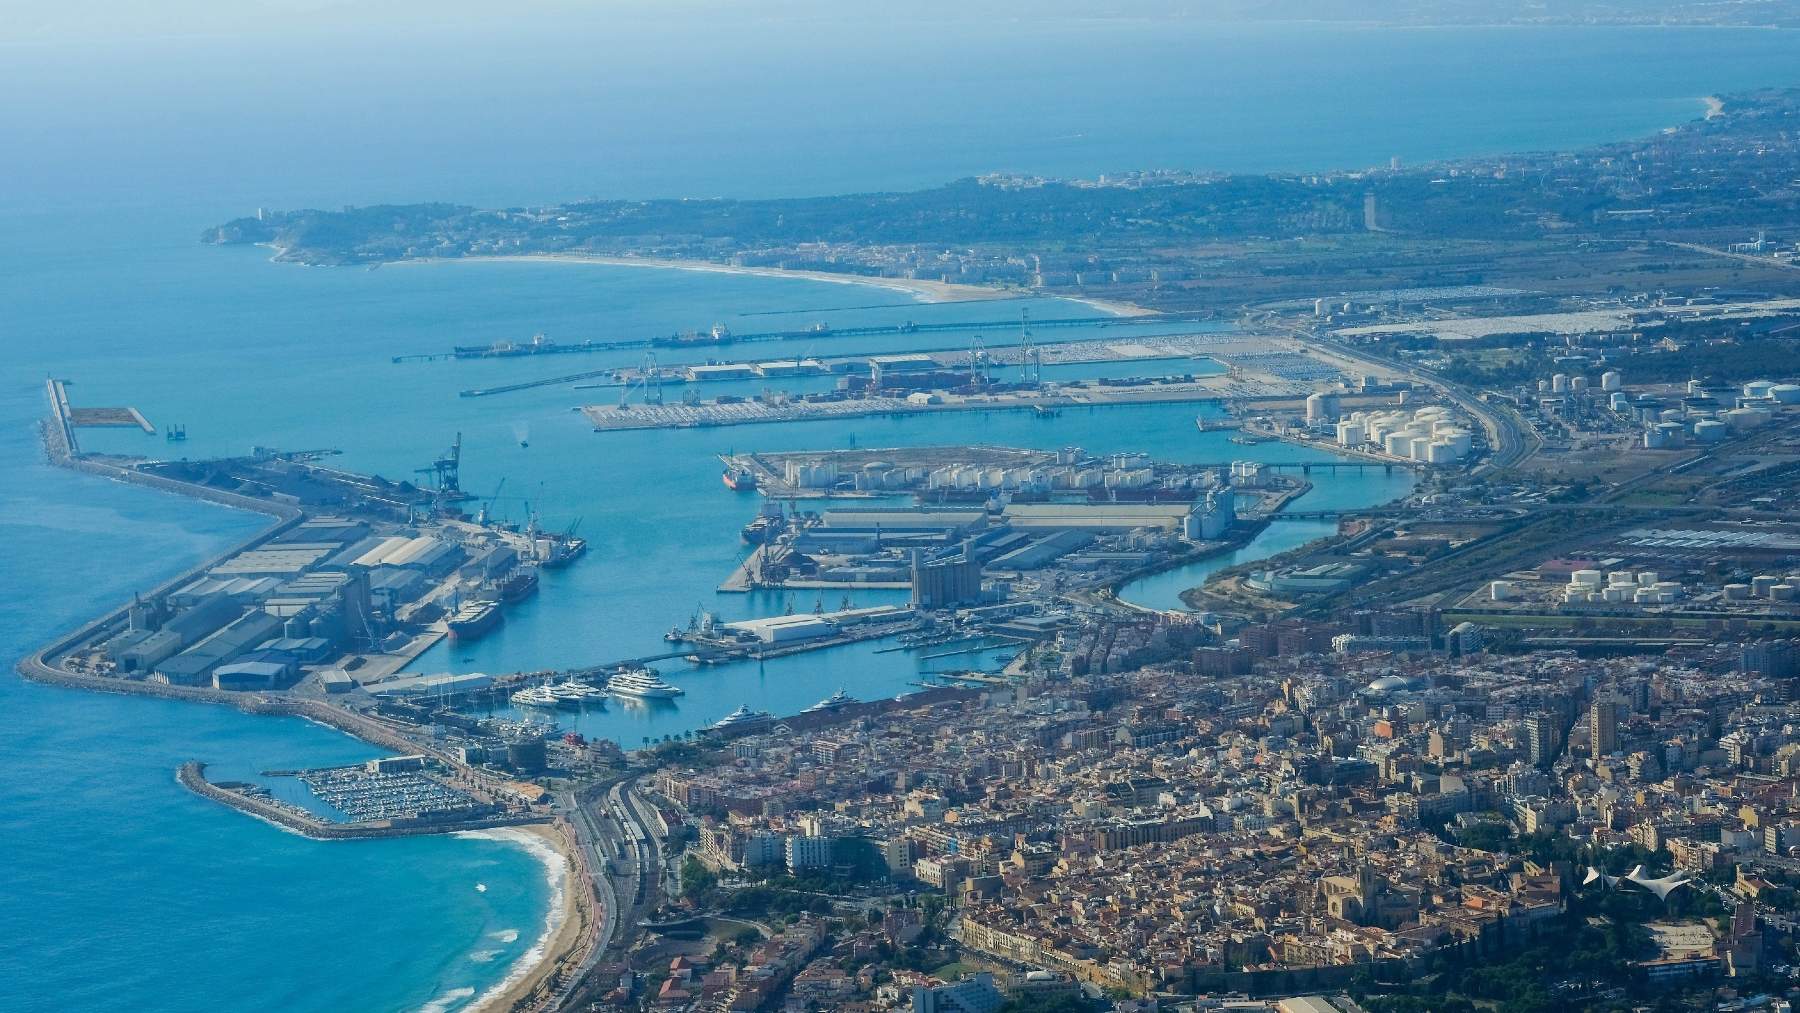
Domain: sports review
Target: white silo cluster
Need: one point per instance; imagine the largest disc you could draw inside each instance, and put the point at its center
(1667, 428)
(1620, 587)
(1767, 586)
(1432, 435)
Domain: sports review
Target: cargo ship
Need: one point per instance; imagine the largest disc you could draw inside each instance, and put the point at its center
(769, 522)
(740, 479)
(475, 620)
(558, 551)
(519, 585)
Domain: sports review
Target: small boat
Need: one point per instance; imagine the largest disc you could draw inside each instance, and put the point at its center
(643, 684)
(741, 717)
(831, 703)
(475, 620)
(535, 696)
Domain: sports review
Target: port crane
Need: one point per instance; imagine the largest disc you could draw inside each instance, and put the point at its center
(444, 473)
(1031, 357)
(649, 382)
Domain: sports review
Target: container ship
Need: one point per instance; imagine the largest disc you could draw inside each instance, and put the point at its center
(475, 620)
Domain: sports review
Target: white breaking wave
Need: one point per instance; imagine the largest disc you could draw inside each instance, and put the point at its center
(481, 888)
(483, 956)
(556, 873)
(448, 1001)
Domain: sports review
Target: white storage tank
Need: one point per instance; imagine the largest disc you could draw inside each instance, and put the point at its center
(1439, 452)
(1785, 393)
(1349, 434)
(1500, 590)
(1745, 418)
(1758, 389)
(1621, 577)
(1578, 383)
(1696, 387)
(1612, 380)
(1617, 594)
(1711, 431)
(1644, 596)
(1398, 444)
(1543, 386)
(1655, 439)
(1585, 578)
(1646, 578)
(1737, 592)
(1760, 585)
(1559, 383)
(1619, 402)
(1421, 448)
(1782, 592)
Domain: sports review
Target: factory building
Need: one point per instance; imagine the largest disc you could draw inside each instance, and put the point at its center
(194, 666)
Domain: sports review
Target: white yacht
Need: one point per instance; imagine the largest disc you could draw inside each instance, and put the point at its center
(572, 694)
(742, 716)
(535, 696)
(643, 684)
(831, 703)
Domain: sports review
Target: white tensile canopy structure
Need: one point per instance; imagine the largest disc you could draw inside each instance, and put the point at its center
(1661, 887)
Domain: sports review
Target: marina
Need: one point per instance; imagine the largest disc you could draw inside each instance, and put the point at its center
(363, 795)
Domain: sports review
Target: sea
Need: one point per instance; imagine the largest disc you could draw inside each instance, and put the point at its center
(123, 890)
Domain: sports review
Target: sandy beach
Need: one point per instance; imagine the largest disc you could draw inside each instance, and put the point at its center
(923, 290)
(566, 929)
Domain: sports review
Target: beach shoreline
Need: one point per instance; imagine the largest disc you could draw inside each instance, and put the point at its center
(568, 922)
(922, 289)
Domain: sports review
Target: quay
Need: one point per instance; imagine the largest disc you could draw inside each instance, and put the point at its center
(609, 418)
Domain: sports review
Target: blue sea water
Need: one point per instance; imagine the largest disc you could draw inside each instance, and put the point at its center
(125, 891)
